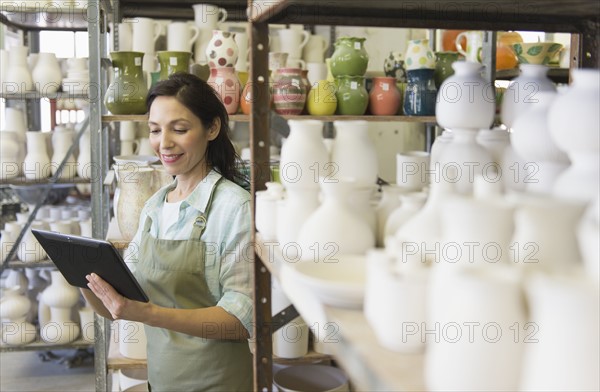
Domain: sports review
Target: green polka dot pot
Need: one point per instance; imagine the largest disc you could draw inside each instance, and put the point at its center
(419, 55)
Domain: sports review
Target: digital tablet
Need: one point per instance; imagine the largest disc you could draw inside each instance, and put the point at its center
(75, 257)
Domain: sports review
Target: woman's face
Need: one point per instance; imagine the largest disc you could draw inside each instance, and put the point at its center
(179, 138)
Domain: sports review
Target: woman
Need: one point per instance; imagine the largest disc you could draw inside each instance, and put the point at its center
(192, 249)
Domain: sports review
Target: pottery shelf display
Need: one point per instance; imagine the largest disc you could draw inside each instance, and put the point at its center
(222, 55)
(348, 65)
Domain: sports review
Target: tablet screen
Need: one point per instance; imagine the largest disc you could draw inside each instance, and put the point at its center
(75, 257)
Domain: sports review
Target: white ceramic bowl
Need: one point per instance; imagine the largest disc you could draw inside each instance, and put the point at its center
(339, 282)
(140, 160)
(313, 378)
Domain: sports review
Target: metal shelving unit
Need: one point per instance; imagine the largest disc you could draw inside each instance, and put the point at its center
(358, 352)
(32, 21)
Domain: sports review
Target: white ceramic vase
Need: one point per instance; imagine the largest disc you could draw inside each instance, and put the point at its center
(531, 140)
(522, 91)
(410, 204)
(61, 329)
(563, 354)
(30, 250)
(395, 303)
(132, 339)
(574, 122)
(37, 162)
(465, 104)
(438, 146)
(18, 76)
(304, 157)
(135, 188)
(475, 312)
(292, 212)
(351, 141)
(266, 210)
(47, 75)
(9, 155)
(390, 200)
(61, 142)
(334, 228)
(545, 233)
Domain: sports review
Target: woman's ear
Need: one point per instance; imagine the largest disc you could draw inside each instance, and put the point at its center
(214, 129)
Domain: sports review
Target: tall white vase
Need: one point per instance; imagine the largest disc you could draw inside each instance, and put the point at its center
(574, 124)
(14, 308)
(564, 349)
(531, 140)
(353, 153)
(304, 156)
(29, 249)
(523, 91)
(292, 212)
(480, 316)
(132, 339)
(465, 104)
(47, 75)
(9, 155)
(61, 142)
(334, 229)
(390, 200)
(37, 162)
(18, 77)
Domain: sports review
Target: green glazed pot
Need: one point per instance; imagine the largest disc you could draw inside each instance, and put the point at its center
(172, 62)
(349, 57)
(443, 66)
(127, 93)
(352, 96)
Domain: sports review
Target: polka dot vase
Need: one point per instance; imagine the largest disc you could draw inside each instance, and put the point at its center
(419, 55)
(226, 83)
(222, 51)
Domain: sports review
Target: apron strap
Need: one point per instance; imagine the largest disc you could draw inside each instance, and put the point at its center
(201, 219)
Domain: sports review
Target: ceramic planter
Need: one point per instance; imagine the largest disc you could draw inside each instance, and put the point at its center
(350, 57)
(172, 62)
(127, 93)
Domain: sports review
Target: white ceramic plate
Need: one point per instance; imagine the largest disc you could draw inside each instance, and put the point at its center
(340, 283)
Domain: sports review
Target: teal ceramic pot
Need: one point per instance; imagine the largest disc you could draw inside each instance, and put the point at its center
(127, 93)
(352, 96)
(349, 57)
(172, 62)
(420, 93)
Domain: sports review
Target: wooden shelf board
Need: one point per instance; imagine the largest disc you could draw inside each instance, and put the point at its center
(116, 361)
(37, 264)
(366, 117)
(312, 357)
(144, 117)
(38, 95)
(535, 15)
(39, 345)
(25, 181)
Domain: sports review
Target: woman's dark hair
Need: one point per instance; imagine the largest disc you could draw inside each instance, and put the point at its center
(202, 100)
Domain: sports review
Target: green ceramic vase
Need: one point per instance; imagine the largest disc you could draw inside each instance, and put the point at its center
(127, 93)
(349, 57)
(352, 96)
(443, 66)
(172, 62)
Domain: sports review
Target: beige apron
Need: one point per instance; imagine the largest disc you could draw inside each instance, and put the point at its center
(171, 272)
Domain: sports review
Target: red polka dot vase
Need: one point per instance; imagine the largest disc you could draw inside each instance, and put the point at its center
(222, 51)
(226, 83)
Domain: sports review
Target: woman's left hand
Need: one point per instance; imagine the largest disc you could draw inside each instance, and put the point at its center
(118, 306)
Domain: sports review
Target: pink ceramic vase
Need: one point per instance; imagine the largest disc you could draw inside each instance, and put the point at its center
(384, 98)
(226, 83)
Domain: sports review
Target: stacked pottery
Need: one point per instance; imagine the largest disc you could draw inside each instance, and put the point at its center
(420, 95)
(36, 165)
(13, 313)
(62, 139)
(573, 123)
(532, 142)
(522, 92)
(466, 104)
(207, 18)
(222, 54)
(304, 159)
(146, 32)
(348, 65)
(60, 298)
